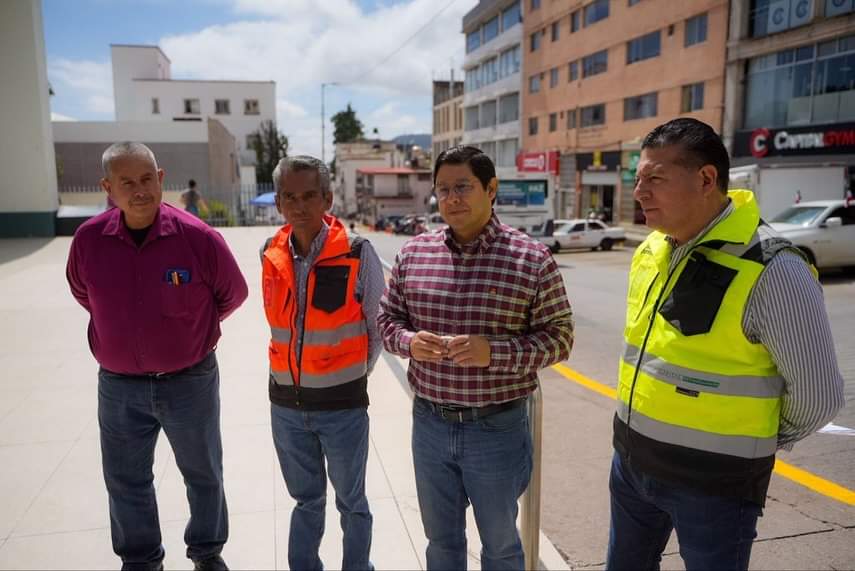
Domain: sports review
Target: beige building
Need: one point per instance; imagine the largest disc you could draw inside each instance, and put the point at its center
(385, 191)
(447, 115)
(598, 75)
(349, 157)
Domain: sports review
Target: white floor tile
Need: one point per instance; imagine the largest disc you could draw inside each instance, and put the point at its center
(49, 415)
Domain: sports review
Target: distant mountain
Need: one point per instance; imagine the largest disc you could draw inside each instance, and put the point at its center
(421, 140)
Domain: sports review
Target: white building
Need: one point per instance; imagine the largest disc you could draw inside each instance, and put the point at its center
(349, 157)
(144, 90)
(385, 191)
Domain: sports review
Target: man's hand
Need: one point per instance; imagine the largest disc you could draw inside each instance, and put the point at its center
(469, 351)
(425, 346)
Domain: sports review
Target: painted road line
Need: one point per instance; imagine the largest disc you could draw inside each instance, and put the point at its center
(798, 475)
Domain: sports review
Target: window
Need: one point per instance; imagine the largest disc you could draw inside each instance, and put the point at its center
(511, 16)
(403, 185)
(696, 30)
(488, 113)
(553, 77)
(573, 71)
(596, 11)
(250, 107)
(535, 4)
(506, 152)
(473, 40)
(191, 106)
(595, 63)
(574, 22)
(509, 62)
(155, 106)
(693, 98)
(534, 83)
(535, 40)
(642, 48)
(634, 2)
(509, 108)
(490, 71)
(473, 79)
(491, 29)
(532, 125)
(221, 107)
(640, 107)
(845, 213)
(556, 30)
(470, 118)
(553, 122)
(773, 16)
(571, 119)
(802, 86)
(592, 115)
(250, 141)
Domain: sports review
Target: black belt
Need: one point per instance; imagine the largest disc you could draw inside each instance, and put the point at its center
(457, 413)
(162, 374)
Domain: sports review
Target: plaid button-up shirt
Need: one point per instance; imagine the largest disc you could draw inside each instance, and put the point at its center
(504, 286)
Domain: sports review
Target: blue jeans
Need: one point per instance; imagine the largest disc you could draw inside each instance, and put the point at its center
(714, 532)
(485, 462)
(131, 412)
(304, 439)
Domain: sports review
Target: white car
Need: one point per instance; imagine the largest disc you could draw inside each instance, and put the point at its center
(823, 229)
(578, 233)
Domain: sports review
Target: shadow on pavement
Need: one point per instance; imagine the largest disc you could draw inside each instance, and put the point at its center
(13, 248)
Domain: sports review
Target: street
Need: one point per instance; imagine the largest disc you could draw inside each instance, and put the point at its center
(801, 528)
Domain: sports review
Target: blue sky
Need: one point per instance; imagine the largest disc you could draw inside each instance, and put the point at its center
(297, 43)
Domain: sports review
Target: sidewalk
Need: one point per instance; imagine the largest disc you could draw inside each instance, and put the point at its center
(53, 506)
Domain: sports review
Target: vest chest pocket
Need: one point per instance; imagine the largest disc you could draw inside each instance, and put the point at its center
(330, 287)
(692, 305)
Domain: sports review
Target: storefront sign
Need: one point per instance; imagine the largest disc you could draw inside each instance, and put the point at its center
(521, 193)
(792, 141)
(538, 162)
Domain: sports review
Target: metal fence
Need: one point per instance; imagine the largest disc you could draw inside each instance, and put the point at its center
(237, 205)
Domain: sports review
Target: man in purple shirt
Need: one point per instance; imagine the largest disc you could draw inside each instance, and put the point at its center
(156, 282)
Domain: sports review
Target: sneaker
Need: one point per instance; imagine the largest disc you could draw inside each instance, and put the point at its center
(214, 563)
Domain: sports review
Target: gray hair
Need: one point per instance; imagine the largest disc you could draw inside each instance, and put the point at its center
(302, 163)
(125, 149)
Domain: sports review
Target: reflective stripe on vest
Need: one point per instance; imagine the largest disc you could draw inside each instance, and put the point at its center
(705, 381)
(741, 446)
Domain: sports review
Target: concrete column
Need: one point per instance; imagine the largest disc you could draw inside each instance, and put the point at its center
(28, 195)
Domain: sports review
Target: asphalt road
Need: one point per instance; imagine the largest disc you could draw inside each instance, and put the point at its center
(801, 529)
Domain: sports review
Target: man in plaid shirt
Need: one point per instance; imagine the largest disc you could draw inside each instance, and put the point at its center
(478, 308)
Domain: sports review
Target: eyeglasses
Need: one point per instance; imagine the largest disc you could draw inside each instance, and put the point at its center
(460, 190)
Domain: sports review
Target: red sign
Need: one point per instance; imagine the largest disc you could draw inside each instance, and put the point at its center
(538, 162)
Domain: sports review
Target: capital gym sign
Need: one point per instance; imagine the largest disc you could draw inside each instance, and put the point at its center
(816, 140)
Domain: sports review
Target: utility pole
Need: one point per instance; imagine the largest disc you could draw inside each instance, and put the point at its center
(323, 120)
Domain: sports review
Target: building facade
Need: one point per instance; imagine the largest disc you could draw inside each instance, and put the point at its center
(144, 90)
(447, 115)
(349, 157)
(385, 191)
(791, 84)
(600, 74)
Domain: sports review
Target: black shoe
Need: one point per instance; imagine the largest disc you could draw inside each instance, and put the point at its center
(214, 563)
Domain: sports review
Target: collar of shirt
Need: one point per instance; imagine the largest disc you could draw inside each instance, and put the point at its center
(678, 252)
(163, 225)
(315, 247)
(481, 243)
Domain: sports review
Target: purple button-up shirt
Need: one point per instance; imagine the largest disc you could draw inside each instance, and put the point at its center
(156, 308)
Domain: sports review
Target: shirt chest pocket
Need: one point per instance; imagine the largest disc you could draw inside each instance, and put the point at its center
(176, 300)
(330, 287)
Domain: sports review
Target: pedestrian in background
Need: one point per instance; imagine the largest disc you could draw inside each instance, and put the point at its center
(321, 290)
(192, 200)
(478, 308)
(728, 358)
(156, 283)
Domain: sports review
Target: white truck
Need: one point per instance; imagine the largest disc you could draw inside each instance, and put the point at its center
(780, 186)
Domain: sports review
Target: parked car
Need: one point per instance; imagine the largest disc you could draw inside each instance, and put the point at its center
(578, 233)
(411, 225)
(823, 229)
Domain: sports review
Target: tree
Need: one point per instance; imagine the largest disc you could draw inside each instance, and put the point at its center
(270, 146)
(347, 127)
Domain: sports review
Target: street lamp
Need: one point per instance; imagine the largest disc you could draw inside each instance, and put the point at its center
(323, 121)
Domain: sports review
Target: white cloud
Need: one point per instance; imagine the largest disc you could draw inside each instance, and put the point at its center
(90, 83)
(285, 108)
(60, 117)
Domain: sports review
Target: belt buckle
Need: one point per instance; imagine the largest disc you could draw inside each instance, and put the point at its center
(159, 374)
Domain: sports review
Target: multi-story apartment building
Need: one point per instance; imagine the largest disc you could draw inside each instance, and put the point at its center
(447, 115)
(790, 89)
(144, 90)
(349, 158)
(600, 74)
(386, 191)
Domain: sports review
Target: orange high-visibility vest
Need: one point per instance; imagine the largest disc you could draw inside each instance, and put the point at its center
(335, 336)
